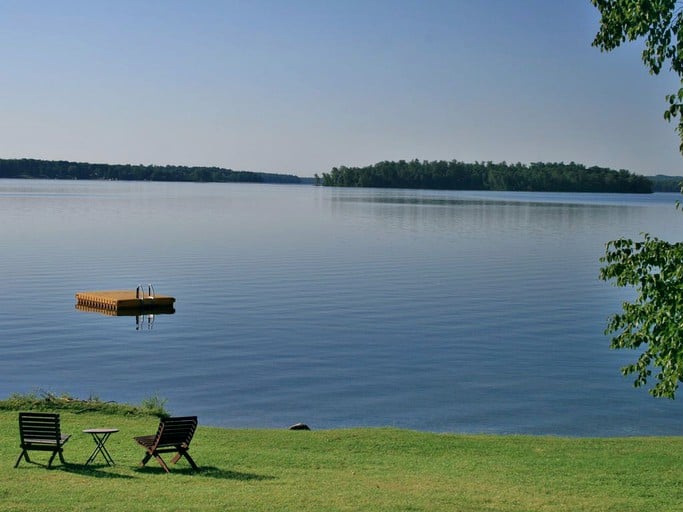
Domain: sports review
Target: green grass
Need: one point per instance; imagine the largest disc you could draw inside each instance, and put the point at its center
(355, 469)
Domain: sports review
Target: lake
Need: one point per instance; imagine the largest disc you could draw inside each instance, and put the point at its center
(445, 311)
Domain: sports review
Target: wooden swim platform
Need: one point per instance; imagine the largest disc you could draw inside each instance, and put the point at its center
(120, 300)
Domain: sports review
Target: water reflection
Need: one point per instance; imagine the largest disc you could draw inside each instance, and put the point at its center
(144, 317)
(144, 322)
(459, 213)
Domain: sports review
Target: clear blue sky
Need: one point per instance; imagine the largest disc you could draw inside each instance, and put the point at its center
(301, 86)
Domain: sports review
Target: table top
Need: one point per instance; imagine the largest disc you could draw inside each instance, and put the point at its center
(100, 430)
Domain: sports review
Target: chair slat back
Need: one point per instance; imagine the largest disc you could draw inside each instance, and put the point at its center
(176, 431)
(39, 425)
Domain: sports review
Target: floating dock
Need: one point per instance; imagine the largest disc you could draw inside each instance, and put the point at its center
(122, 300)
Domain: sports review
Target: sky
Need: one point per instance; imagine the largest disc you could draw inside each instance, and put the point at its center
(302, 86)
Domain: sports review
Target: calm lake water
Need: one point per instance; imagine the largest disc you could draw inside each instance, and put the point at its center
(430, 310)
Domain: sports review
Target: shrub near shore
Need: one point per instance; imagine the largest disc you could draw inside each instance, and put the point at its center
(47, 401)
(349, 469)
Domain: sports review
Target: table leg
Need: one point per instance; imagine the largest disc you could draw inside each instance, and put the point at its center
(100, 440)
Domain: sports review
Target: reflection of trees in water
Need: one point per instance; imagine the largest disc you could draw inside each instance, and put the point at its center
(468, 215)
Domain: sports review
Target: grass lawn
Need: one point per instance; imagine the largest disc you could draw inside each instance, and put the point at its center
(354, 469)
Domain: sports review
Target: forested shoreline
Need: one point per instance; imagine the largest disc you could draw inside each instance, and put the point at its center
(445, 175)
(662, 183)
(456, 175)
(60, 169)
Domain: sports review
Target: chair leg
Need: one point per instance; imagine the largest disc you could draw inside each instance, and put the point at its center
(189, 459)
(61, 456)
(24, 454)
(145, 459)
(182, 452)
(54, 453)
(161, 462)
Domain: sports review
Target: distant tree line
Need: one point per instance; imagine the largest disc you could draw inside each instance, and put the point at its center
(455, 175)
(53, 169)
(661, 183)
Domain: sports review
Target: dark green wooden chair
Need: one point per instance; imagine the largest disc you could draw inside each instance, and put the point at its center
(173, 435)
(40, 431)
